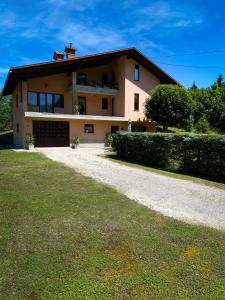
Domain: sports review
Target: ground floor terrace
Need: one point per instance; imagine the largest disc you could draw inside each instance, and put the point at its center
(58, 130)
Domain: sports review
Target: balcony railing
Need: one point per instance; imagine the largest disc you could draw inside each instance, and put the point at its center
(98, 88)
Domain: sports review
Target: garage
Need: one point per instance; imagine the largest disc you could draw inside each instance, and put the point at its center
(51, 133)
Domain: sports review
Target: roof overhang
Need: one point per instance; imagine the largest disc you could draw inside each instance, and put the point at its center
(26, 72)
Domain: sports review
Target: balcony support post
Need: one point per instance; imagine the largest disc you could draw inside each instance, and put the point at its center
(74, 93)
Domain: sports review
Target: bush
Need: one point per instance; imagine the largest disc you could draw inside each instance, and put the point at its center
(75, 141)
(168, 105)
(28, 140)
(108, 139)
(202, 126)
(194, 153)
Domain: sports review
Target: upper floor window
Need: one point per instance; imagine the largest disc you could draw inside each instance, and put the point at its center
(136, 102)
(136, 73)
(104, 103)
(45, 101)
(81, 78)
(32, 98)
(58, 100)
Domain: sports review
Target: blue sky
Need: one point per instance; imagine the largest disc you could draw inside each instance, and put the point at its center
(163, 30)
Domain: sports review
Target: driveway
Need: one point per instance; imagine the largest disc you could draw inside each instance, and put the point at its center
(180, 199)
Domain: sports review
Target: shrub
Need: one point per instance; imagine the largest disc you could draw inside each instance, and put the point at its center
(108, 139)
(75, 141)
(194, 153)
(28, 140)
(202, 126)
(168, 105)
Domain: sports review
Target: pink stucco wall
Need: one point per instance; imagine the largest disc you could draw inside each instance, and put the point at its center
(142, 87)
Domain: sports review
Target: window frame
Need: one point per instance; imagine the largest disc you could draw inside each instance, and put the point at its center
(46, 93)
(138, 103)
(136, 72)
(91, 125)
(105, 103)
(37, 95)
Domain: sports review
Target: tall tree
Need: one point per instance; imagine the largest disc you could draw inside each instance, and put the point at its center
(193, 87)
(168, 105)
(5, 113)
(220, 81)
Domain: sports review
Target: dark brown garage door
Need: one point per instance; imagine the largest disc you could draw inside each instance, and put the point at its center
(51, 134)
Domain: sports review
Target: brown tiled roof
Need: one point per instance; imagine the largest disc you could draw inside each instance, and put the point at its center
(68, 65)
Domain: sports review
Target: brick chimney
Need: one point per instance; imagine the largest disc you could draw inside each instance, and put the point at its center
(70, 51)
(58, 55)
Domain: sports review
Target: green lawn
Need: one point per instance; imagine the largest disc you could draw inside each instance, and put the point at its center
(64, 236)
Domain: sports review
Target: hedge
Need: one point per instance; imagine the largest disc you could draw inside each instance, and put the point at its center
(193, 153)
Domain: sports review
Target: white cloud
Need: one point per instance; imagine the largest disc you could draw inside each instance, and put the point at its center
(164, 15)
(79, 5)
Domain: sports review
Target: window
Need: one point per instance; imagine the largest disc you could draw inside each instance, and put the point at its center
(136, 73)
(82, 105)
(105, 78)
(136, 102)
(49, 103)
(104, 103)
(46, 101)
(32, 98)
(89, 128)
(81, 78)
(17, 128)
(58, 100)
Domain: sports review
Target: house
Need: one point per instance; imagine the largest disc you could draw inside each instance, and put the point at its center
(87, 96)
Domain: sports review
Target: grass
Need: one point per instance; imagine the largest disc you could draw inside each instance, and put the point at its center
(209, 182)
(65, 236)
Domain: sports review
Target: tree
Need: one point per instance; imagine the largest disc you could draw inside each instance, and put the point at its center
(194, 86)
(219, 80)
(218, 83)
(5, 113)
(168, 105)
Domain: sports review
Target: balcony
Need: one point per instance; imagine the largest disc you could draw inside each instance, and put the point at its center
(45, 115)
(110, 89)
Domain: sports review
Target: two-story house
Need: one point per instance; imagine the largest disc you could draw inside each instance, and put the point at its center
(87, 96)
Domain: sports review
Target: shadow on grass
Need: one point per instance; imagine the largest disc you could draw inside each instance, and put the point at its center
(180, 174)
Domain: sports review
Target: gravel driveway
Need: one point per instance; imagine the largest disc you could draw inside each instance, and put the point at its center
(180, 199)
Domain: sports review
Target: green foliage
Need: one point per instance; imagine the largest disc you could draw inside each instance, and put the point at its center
(108, 139)
(202, 126)
(28, 140)
(195, 153)
(75, 141)
(5, 113)
(168, 105)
